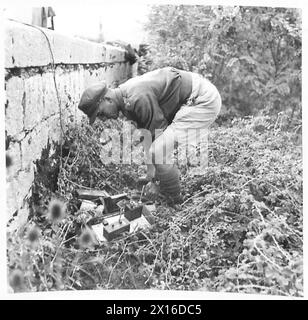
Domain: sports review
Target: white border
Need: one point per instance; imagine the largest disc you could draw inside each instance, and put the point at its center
(139, 294)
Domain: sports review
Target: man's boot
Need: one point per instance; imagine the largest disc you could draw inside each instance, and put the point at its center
(170, 184)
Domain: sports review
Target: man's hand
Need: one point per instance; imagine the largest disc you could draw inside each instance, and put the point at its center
(148, 177)
(151, 191)
(144, 180)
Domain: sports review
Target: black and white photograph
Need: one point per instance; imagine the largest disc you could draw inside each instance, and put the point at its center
(153, 146)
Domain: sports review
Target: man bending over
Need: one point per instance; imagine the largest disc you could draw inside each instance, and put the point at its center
(168, 102)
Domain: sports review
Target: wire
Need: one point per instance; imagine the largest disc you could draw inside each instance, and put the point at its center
(54, 80)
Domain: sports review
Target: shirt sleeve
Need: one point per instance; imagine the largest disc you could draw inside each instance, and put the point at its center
(148, 113)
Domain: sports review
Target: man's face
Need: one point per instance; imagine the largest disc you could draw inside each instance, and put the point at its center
(108, 108)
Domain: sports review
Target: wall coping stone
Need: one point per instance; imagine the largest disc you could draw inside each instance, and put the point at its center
(22, 42)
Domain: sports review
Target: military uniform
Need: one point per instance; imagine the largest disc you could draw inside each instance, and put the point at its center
(169, 103)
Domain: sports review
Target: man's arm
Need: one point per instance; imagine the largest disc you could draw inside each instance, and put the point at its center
(148, 114)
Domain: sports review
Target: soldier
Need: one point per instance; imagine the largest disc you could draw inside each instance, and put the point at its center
(167, 102)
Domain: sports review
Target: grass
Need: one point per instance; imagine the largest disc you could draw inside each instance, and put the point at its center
(239, 229)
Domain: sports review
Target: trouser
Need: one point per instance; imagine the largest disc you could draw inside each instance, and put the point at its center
(189, 130)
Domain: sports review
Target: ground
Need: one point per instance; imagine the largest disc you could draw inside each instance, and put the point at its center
(238, 230)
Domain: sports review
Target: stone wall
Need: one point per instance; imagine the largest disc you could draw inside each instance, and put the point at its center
(37, 63)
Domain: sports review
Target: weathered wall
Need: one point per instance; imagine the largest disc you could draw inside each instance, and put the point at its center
(32, 110)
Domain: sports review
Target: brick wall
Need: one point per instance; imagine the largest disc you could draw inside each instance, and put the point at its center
(32, 111)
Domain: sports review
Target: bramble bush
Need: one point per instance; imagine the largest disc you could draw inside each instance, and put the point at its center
(238, 230)
(252, 54)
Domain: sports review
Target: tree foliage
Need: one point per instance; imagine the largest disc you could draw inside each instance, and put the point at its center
(252, 54)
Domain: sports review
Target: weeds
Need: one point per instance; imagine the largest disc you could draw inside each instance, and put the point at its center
(238, 230)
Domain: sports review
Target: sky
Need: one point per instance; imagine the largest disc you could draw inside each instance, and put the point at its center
(120, 21)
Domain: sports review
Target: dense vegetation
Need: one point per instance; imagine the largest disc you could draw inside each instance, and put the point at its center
(252, 54)
(240, 228)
